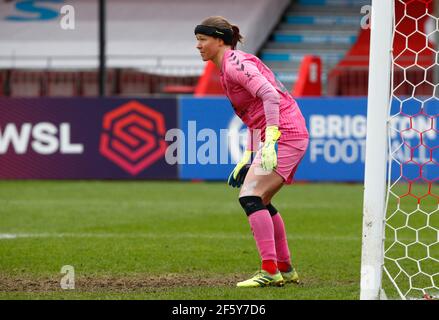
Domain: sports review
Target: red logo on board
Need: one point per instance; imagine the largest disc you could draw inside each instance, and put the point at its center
(133, 137)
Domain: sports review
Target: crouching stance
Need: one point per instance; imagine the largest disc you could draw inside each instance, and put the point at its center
(277, 140)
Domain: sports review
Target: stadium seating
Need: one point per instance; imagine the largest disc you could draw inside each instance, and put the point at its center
(146, 38)
(89, 84)
(303, 31)
(142, 62)
(3, 75)
(27, 83)
(134, 82)
(62, 84)
(324, 28)
(350, 76)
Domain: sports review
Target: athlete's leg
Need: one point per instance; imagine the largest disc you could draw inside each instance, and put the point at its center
(280, 237)
(258, 187)
(273, 183)
(261, 183)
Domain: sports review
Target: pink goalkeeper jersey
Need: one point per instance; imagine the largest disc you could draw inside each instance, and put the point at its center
(241, 76)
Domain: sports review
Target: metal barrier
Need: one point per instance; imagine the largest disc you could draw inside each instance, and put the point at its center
(66, 83)
(33, 75)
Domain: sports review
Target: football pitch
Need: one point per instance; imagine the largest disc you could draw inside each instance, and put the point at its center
(170, 240)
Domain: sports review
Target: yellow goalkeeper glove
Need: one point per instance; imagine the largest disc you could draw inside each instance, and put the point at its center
(237, 176)
(269, 149)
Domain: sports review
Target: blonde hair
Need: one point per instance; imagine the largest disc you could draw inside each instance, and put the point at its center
(222, 23)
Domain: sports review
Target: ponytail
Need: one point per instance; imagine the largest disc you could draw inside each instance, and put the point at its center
(237, 37)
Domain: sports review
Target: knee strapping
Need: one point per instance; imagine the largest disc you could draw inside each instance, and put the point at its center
(271, 209)
(251, 204)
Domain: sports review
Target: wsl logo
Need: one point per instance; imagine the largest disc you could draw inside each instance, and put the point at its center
(43, 138)
(133, 137)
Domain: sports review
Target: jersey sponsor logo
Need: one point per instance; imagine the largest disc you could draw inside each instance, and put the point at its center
(133, 137)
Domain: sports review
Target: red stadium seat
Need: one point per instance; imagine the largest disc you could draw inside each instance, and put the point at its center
(2, 82)
(134, 82)
(63, 84)
(178, 84)
(27, 83)
(89, 83)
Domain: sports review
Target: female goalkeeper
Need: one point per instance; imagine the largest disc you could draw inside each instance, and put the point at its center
(273, 117)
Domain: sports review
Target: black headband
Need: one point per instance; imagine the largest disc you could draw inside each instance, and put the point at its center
(225, 34)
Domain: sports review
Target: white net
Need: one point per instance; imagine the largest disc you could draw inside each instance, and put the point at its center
(411, 254)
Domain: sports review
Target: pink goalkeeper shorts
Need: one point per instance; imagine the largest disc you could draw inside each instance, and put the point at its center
(289, 155)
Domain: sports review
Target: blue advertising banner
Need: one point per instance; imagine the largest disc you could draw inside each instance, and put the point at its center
(337, 148)
(337, 145)
(211, 138)
(336, 151)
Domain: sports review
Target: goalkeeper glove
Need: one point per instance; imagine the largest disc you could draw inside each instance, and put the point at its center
(269, 149)
(237, 176)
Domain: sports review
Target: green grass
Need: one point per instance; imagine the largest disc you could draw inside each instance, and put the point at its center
(113, 232)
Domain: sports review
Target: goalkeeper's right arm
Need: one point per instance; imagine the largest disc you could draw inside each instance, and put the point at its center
(237, 176)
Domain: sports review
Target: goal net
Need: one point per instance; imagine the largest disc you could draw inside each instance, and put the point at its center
(411, 245)
(400, 249)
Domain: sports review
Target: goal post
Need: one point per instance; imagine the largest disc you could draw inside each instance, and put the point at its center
(400, 240)
(372, 257)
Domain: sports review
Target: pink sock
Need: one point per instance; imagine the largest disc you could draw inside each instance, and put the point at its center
(263, 232)
(280, 236)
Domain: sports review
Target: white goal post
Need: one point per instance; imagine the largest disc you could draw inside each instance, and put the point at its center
(400, 240)
(372, 258)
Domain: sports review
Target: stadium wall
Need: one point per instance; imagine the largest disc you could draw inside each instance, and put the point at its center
(189, 138)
